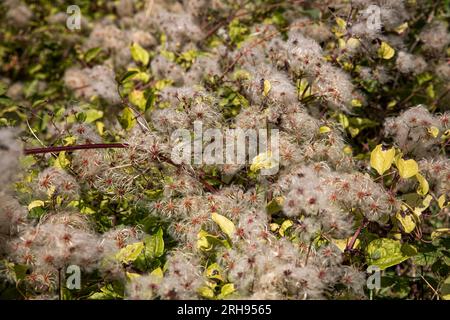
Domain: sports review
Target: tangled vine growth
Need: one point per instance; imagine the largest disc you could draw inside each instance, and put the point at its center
(358, 93)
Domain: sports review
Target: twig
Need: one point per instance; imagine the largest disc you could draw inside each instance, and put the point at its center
(434, 290)
(73, 148)
(356, 235)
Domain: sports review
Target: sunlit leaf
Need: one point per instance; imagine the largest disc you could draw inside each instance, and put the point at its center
(381, 160)
(226, 225)
(407, 168)
(423, 185)
(386, 51)
(130, 252)
(139, 54)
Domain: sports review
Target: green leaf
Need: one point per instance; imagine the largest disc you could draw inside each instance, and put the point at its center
(445, 289)
(107, 292)
(139, 54)
(224, 223)
(81, 116)
(214, 272)
(206, 241)
(3, 88)
(127, 75)
(38, 102)
(424, 77)
(226, 290)
(154, 245)
(127, 119)
(130, 252)
(206, 292)
(426, 258)
(91, 54)
(385, 253)
(237, 32)
(93, 115)
(274, 206)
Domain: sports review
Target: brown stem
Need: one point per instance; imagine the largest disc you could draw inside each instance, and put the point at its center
(73, 148)
(356, 235)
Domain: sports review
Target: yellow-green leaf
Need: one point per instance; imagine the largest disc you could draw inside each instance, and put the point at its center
(132, 275)
(433, 131)
(406, 222)
(440, 232)
(35, 204)
(445, 289)
(127, 119)
(206, 292)
(385, 253)
(423, 185)
(263, 161)
(158, 272)
(441, 201)
(381, 160)
(430, 91)
(284, 226)
(226, 225)
(62, 162)
(214, 272)
(137, 98)
(341, 23)
(303, 88)
(100, 127)
(226, 290)
(93, 115)
(356, 103)
(445, 135)
(407, 168)
(385, 51)
(342, 243)
(401, 28)
(139, 54)
(267, 87)
(274, 227)
(274, 206)
(324, 129)
(425, 204)
(353, 43)
(130, 252)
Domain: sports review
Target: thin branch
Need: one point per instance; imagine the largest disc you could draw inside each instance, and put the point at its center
(74, 148)
(356, 235)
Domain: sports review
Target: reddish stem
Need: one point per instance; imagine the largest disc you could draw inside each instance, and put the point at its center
(356, 235)
(73, 148)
